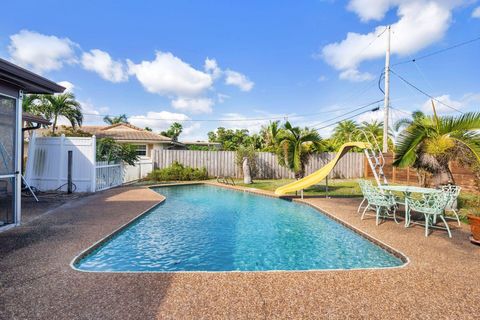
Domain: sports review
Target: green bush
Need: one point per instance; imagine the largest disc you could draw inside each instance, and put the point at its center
(178, 172)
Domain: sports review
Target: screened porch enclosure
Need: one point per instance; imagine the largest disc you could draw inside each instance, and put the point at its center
(8, 132)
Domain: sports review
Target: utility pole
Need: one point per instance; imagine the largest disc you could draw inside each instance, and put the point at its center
(386, 102)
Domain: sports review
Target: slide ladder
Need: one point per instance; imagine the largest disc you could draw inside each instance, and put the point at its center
(374, 157)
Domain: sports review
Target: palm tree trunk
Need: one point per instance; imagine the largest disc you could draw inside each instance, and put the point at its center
(54, 123)
(444, 175)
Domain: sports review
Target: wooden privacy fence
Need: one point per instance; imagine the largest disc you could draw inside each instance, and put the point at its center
(222, 163)
(463, 176)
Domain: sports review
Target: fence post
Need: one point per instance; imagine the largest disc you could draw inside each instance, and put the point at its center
(59, 179)
(31, 158)
(94, 164)
(365, 167)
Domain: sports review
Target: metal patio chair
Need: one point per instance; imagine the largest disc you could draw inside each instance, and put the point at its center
(364, 185)
(432, 205)
(453, 192)
(382, 202)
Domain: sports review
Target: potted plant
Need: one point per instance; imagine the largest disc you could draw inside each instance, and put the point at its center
(474, 219)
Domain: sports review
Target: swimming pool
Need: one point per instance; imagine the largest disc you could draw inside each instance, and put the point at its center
(208, 228)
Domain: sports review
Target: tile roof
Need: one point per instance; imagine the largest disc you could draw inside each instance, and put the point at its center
(122, 132)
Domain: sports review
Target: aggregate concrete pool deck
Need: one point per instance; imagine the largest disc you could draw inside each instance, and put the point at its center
(441, 281)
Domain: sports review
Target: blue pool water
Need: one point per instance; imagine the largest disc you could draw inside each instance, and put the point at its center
(206, 228)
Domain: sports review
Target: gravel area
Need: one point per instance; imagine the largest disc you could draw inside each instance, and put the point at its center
(37, 282)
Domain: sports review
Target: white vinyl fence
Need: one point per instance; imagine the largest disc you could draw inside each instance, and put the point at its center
(47, 165)
(139, 171)
(222, 163)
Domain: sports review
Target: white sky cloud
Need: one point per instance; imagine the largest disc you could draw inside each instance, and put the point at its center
(193, 105)
(67, 85)
(41, 53)
(476, 13)
(466, 101)
(238, 79)
(169, 75)
(355, 76)
(158, 121)
(100, 62)
(211, 67)
(421, 23)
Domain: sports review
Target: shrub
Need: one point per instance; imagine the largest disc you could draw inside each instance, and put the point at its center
(110, 150)
(178, 172)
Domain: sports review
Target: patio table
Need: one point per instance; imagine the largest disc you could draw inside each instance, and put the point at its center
(407, 191)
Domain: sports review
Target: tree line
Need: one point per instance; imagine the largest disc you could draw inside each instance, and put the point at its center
(424, 142)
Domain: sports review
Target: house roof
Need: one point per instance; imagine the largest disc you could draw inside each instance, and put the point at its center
(26, 80)
(201, 143)
(26, 116)
(125, 132)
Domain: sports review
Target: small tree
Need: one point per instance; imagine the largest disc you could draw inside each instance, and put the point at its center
(111, 151)
(295, 147)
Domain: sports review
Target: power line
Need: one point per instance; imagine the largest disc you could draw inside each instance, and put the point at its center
(402, 111)
(240, 120)
(351, 117)
(438, 51)
(342, 115)
(423, 92)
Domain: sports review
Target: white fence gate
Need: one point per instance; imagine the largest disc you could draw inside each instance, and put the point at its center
(108, 175)
(47, 165)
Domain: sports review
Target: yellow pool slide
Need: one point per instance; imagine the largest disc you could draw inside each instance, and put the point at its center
(323, 172)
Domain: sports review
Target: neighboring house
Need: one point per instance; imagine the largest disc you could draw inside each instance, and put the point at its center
(14, 82)
(200, 144)
(145, 141)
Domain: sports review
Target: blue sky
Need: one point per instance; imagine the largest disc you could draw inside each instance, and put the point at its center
(157, 60)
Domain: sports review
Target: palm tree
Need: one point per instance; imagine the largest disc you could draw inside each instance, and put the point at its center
(270, 135)
(430, 142)
(374, 128)
(405, 122)
(63, 104)
(344, 131)
(30, 103)
(295, 147)
(114, 120)
(174, 131)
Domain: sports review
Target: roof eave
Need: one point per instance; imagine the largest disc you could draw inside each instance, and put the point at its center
(26, 80)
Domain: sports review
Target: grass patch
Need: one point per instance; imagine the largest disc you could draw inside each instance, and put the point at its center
(336, 187)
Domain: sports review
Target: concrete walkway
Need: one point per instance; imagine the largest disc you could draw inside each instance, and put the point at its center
(36, 281)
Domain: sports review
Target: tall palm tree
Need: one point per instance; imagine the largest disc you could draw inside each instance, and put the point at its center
(344, 131)
(295, 147)
(114, 120)
(430, 142)
(63, 104)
